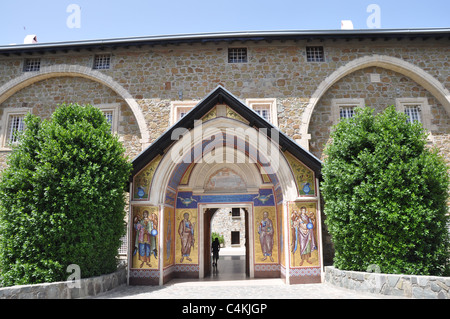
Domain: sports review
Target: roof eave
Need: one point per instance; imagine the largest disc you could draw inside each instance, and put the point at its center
(218, 96)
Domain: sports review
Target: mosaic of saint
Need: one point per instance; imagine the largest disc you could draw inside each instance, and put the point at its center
(145, 232)
(266, 235)
(303, 234)
(186, 245)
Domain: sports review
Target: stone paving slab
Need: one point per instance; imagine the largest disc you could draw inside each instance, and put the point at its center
(238, 289)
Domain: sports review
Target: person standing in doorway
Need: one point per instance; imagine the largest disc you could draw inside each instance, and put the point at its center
(215, 248)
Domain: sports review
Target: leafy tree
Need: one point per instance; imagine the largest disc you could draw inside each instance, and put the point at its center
(385, 195)
(62, 198)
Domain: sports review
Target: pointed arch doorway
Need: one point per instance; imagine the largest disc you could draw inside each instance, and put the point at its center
(207, 211)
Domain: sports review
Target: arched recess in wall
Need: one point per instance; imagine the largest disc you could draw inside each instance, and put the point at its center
(27, 79)
(408, 69)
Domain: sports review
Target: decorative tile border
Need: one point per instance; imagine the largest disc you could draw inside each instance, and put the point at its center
(307, 271)
(144, 273)
(187, 268)
(267, 267)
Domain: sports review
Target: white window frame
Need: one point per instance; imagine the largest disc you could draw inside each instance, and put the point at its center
(424, 109)
(32, 65)
(176, 107)
(317, 54)
(7, 114)
(236, 60)
(115, 109)
(100, 55)
(337, 104)
(270, 103)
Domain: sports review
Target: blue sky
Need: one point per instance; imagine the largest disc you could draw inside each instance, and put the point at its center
(100, 19)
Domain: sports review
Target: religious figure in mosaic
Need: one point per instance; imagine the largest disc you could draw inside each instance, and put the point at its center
(145, 240)
(186, 232)
(304, 240)
(265, 231)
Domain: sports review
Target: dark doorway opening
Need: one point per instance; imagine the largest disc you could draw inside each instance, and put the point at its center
(231, 265)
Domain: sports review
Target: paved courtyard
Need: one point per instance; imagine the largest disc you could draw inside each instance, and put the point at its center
(229, 281)
(236, 289)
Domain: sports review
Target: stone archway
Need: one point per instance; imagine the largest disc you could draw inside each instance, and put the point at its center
(417, 74)
(172, 179)
(65, 70)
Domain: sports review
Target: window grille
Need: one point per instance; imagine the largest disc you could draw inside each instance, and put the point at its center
(237, 55)
(102, 62)
(413, 113)
(315, 54)
(346, 112)
(15, 125)
(263, 111)
(235, 212)
(183, 111)
(32, 65)
(109, 118)
(123, 246)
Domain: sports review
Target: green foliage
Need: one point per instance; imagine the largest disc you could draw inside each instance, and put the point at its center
(386, 196)
(215, 235)
(62, 198)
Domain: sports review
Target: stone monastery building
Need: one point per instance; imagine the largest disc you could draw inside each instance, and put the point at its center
(237, 120)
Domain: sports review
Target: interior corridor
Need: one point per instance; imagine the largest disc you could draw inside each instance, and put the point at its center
(229, 268)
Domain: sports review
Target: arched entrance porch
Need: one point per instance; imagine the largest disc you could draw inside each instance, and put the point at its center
(222, 153)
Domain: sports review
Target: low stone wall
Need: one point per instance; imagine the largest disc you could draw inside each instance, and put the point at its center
(61, 290)
(409, 286)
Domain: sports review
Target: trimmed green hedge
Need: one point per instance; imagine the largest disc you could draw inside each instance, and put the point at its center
(385, 195)
(62, 198)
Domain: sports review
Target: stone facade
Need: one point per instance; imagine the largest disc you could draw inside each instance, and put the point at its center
(89, 287)
(409, 286)
(223, 223)
(147, 77)
(153, 76)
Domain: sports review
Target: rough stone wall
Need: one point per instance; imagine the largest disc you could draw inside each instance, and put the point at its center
(407, 286)
(88, 287)
(156, 75)
(378, 96)
(223, 223)
(43, 97)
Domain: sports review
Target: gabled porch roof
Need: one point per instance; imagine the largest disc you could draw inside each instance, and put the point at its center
(222, 96)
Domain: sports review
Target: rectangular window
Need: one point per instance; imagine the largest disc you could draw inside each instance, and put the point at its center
(315, 54)
(111, 111)
(237, 55)
(32, 65)
(344, 109)
(182, 112)
(416, 109)
(413, 113)
(346, 112)
(235, 238)
(179, 109)
(102, 62)
(109, 115)
(123, 246)
(263, 110)
(15, 126)
(266, 108)
(235, 212)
